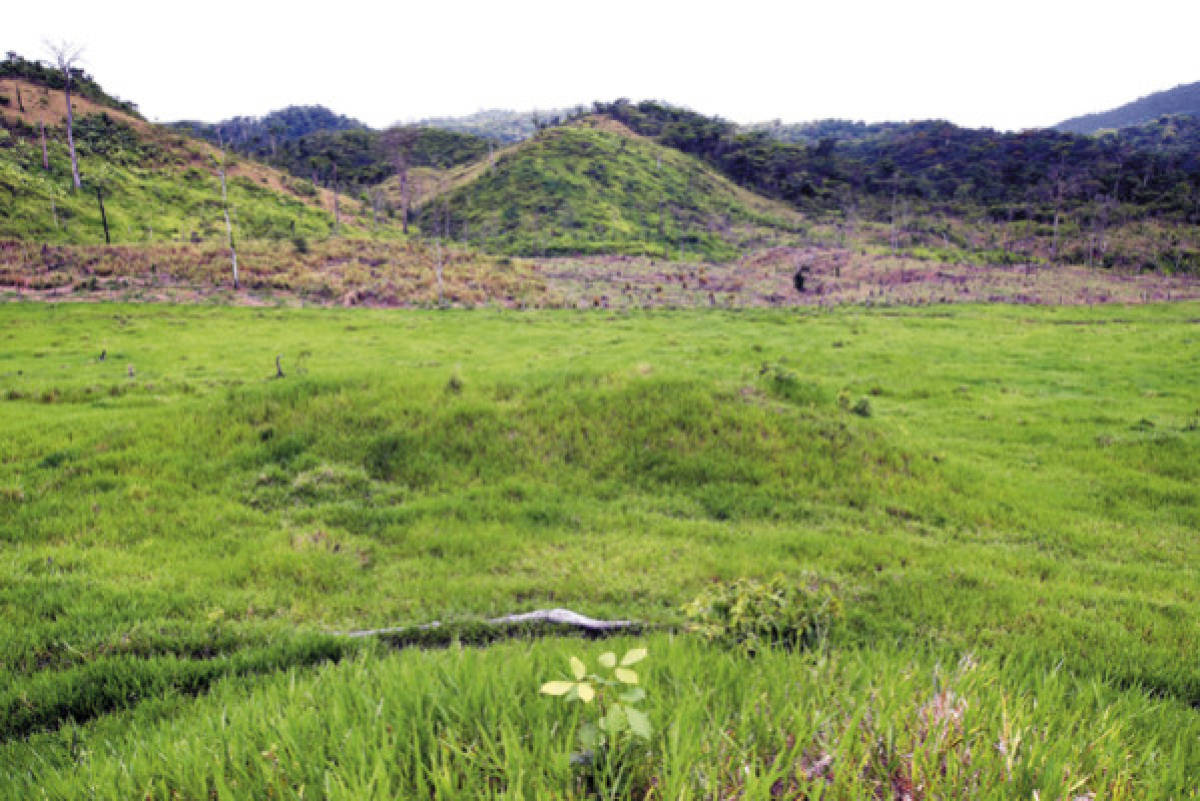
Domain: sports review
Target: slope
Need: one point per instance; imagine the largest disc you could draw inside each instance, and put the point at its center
(593, 186)
(156, 183)
(1183, 99)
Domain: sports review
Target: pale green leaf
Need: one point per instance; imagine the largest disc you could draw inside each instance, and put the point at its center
(633, 656)
(633, 695)
(626, 675)
(639, 722)
(586, 692)
(578, 669)
(608, 659)
(557, 687)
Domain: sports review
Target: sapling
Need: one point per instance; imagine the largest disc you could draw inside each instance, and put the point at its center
(608, 699)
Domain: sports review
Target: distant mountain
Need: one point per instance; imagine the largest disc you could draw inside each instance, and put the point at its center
(500, 124)
(1183, 99)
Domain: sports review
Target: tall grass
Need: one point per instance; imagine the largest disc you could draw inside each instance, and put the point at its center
(457, 723)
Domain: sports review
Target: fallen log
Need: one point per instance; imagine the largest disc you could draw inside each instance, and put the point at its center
(553, 617)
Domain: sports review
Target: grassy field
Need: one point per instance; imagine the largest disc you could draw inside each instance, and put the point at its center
(1005, 498)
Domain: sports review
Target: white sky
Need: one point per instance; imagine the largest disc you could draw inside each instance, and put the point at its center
(1004, 64)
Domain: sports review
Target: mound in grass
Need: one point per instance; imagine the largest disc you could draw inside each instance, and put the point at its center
(595, 187)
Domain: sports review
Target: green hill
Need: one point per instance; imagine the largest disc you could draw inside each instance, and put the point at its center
(156, 184)
(595, 187)
(1183, 99)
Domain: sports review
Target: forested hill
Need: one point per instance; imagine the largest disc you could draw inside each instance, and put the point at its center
(933, 162)
(1183, 99)
(261, 136)
(315, 143)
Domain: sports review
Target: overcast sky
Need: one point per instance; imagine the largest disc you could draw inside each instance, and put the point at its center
(1012, 64)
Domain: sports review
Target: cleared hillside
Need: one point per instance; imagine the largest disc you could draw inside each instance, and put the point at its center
(156, 184)
(596, 187)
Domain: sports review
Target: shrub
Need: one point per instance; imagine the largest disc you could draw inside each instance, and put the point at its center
(753, 615)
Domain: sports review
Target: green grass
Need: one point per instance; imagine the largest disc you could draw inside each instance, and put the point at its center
(469, 723)
(584, 189)
(1024, 488)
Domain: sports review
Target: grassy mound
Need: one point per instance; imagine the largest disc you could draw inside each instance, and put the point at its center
(595, 187)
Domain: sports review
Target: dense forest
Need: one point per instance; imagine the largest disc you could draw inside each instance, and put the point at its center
(936, 163)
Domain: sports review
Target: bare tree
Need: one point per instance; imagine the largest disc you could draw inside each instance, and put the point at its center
(398, 143)
(225, 204)
(377, 198)
(66, 55)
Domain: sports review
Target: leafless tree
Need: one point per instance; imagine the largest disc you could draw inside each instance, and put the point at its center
(337, 211)
(377, 198)
(398, 143)
(66, 55)
(225, 204)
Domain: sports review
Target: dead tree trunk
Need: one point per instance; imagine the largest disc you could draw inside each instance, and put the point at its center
(103, 216)
(337, 213)
(228, 224)
(45, 154)
(70, 133)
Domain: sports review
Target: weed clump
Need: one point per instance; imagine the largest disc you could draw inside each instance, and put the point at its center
(754, 615)
(786, 385)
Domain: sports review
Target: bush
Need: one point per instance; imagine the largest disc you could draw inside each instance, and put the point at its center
(753, 615)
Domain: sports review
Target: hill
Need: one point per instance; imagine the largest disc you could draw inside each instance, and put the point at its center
(261, 136)
(18, 69)
(315, 143)
(595, 187)
(156, 184)
(500, 124)
(1183, 99)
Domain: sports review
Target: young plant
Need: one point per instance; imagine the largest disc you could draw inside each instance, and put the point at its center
(610, 699)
